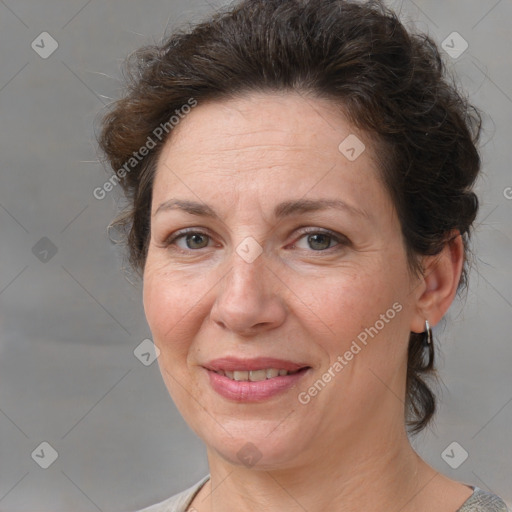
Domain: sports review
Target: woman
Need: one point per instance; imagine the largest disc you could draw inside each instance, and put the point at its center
(322, 163)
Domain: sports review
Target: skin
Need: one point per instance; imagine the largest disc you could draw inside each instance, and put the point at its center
(346, 449)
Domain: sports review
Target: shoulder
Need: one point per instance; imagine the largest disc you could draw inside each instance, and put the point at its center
(178, 502)
(481, 501)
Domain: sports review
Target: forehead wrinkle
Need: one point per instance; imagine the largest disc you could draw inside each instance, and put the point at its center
(263, 148)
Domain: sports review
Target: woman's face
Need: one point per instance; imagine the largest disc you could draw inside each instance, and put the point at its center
(292, 259)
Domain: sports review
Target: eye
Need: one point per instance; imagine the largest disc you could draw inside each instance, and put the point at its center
(193, 240)
(320, 240)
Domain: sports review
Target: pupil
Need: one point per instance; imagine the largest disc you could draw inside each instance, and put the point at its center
(326, 237)
(194, 238)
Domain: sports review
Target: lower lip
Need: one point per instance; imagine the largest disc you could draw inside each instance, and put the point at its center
(246, 391)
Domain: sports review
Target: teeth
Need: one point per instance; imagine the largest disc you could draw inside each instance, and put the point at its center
(272, 372)
(255, 375)
(241, 375)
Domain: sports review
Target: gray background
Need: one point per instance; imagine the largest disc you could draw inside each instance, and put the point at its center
(70, 321)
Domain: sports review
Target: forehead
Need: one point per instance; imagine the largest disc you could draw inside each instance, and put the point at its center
(249, 122)
(268, 144)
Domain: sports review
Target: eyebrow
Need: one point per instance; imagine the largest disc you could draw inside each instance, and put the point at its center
(284, 209)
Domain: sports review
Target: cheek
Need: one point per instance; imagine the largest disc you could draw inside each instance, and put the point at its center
(171, 309)
(357, 305)
(170, 306)
(346, 301)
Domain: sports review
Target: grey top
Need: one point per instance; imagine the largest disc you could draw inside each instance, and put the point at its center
(479, 501)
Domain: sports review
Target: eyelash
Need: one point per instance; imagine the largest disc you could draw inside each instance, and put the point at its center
(342, 240)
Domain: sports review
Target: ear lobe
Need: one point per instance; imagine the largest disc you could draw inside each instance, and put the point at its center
(440, 282)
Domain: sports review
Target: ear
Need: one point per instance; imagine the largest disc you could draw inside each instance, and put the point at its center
(437, 287)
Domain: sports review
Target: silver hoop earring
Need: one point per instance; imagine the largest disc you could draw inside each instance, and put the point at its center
(428, 331)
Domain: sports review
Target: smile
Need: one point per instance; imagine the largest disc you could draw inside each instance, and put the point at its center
(255, 375)
(253, 380)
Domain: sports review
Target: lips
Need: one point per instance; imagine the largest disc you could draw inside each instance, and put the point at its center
(253, 380)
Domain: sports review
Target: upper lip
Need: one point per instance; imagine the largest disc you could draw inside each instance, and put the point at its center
(231, 364)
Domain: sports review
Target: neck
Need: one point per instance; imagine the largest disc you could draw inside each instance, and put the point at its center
(379, 472)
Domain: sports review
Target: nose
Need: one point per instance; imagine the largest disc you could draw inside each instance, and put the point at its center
(249, 300)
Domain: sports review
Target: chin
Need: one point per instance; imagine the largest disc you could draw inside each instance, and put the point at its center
(251, 445)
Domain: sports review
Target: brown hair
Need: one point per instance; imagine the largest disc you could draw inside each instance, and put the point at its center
(389, 82)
